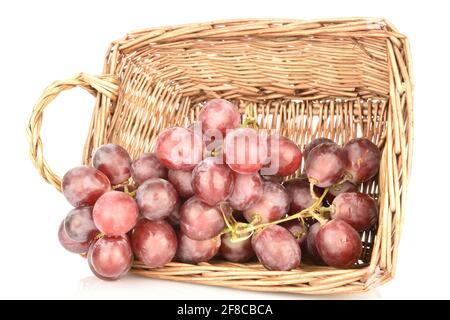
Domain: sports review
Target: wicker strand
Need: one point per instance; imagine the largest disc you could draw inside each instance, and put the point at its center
(96, 85)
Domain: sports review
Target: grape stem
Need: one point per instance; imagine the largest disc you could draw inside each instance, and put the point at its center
(329, 209)
(312, 183)
(250, 121)
(125, 186)
(237, 229)
(347, 177)
(99, 235)
(214, 153)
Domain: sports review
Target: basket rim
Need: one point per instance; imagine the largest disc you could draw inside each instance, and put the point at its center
(347, 26)
(337, 20)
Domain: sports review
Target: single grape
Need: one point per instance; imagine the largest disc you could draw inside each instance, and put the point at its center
(284, 156)
(200, 221)
(297, 229)
(115, 213)
(314, 143)
(82, 186)
(338, 244)
(273, 205)
(236, 251)
(69, 244)
(248, 189)
(276, 248)
(357, 209)
(79, 225)
(219, 114)
(110, 258)
(174, 216)
(114, 161)
(179, 148)
(325, 164)
(212, 181)
(147, 166)
(182, 182)
(336, 190)
(363, 159)
(311, 244)
(156, 199)
(154, 242)
(299, 192)
(194, 251)
(245, 150)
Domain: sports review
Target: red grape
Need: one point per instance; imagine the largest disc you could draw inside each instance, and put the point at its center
(154, 242)
(179, 148)
(147, 166)
(300, 194)
(115, 213)
(200, 221)
(248, 189)
(110, 258)
(194, 251)
(219, 114)
(245, 150)
(276, 248)
(314, 143)
(212, 181)
(296, 229)
(325, 164)
(114, 161)
(69, 244)
(311, 243)
(236, 251)
(338, 244)
(79, 225)
(284, 156)
(363, 159)
(357, 209)
(82, 186)
(156, 199)
(182, 182)
(273, 205)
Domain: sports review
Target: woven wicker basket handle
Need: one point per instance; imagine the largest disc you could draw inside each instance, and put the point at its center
(104, 84)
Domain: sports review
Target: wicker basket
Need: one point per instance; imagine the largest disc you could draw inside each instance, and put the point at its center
(338, 78)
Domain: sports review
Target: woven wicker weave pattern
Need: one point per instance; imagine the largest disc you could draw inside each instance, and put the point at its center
(335, 78)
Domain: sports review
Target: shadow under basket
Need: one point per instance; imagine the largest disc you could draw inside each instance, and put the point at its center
(340, 79)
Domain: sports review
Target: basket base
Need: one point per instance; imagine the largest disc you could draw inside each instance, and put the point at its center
(308, 279)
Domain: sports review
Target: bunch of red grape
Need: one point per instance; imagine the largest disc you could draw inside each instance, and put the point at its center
(215, 189)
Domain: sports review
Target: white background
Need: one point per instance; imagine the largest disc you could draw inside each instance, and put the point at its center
(42, 41)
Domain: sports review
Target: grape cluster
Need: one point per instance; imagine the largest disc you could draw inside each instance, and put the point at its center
(216, 188)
